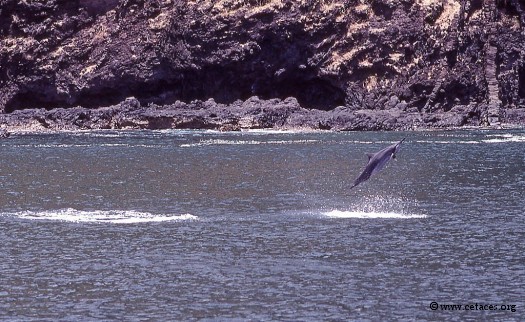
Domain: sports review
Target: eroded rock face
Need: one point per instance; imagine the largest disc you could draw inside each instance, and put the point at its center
(433, 62)
(253, 113)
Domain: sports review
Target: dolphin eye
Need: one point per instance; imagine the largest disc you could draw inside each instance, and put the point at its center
(393, 156)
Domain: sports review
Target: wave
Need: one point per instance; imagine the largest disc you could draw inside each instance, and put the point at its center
(489, 138)
(61, 145)
(278, 131)
(245, 142)
(101, 216)
(372, 215)
(449, 142)
(506, 138)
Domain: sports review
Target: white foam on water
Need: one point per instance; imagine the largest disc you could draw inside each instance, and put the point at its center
(449, 142)
(505, 138)
(102, 216)
(371, 215)
(245, 142)
(279, 131)
(491, 138)
(56, 145)
(110, 145)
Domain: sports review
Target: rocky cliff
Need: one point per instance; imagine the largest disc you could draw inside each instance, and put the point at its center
(230, 64)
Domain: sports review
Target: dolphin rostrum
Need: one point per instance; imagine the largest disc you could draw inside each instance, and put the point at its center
(376, 162)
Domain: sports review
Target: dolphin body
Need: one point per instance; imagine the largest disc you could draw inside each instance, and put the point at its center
(376, 162)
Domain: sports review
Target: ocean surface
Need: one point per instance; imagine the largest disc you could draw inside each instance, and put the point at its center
(261, 226)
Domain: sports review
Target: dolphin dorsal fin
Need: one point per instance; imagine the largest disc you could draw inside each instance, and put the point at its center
(370, 156)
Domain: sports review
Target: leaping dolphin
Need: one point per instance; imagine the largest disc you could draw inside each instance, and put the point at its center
(377, 161)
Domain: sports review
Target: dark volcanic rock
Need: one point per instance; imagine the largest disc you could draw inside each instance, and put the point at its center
(349, 64)
(4, 133)
(253, 113)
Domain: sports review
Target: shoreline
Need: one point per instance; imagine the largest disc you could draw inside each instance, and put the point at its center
(6, 132)
(251, 114)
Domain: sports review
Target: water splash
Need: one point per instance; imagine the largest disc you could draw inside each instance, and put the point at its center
(101, 216)
(363, 214)
(375, 207)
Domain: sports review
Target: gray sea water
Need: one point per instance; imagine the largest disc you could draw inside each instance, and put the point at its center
(261, 226)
